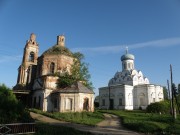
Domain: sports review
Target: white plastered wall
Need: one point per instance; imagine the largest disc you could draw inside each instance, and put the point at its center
(77, 102)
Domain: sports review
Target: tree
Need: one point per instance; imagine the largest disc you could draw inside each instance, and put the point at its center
(179, 89)
(175, 91)
(165, 92)
(10, 108)
(178, 101)
(65, 80)
(79, 72)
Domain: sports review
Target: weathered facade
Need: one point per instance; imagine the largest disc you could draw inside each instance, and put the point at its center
(129, 89)
(37, 76)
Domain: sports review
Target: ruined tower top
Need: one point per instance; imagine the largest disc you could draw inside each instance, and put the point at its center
(32, 39)
(61, 40)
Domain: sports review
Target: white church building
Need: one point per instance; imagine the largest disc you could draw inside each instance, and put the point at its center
(129, 89)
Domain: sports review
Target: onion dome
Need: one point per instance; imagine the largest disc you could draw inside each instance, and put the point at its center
(127, 57)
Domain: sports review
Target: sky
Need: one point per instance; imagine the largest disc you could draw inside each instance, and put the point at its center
(100, 29)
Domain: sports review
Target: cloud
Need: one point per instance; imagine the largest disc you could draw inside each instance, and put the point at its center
(117, 48)
(8, 58)
(157, 43)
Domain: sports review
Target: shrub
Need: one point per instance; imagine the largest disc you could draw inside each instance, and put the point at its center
(159, 107)
(11, 110)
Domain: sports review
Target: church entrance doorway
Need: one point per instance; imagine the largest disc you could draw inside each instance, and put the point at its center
(86, 104)
(111, 105)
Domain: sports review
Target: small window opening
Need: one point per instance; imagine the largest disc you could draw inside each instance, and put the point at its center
(52, 66)
(31, 57)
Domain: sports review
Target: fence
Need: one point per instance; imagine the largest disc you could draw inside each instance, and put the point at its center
(17, 128)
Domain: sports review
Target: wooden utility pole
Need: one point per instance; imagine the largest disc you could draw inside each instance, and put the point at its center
(172, 90)
(109, 98)
(170, 98)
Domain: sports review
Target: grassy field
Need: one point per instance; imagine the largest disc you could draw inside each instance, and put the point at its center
(46, 129)
(87, 118)
(147, 122)
(139, 121)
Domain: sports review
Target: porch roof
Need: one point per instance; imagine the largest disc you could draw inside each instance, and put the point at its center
(77, 88)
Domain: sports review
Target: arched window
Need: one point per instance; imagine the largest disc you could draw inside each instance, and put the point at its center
(52, 66)
(125, 66)
(31, 57)
(129, 65)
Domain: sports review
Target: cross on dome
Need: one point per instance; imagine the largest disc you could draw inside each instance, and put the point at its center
(126, 50)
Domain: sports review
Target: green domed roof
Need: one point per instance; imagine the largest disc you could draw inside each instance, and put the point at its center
(56, 49)
(127, 57)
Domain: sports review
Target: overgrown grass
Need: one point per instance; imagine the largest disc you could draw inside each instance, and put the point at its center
(46, 129)
(147, 122)
(88, 118)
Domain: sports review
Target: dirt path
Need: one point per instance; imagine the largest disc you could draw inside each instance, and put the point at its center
(110, 126)
(111, 121)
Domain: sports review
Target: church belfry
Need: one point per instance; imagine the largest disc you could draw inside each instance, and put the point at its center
(31, 51)
(27, 68)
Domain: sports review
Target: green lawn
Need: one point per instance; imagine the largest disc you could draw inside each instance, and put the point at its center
(88, 118)
(147, 122)
(46, 129)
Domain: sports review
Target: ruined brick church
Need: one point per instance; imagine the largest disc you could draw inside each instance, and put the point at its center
(37, 84)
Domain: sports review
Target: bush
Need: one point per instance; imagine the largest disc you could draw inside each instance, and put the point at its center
(159, 107)
(11, 110)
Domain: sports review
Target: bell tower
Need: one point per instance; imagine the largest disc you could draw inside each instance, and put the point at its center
(27, 69)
